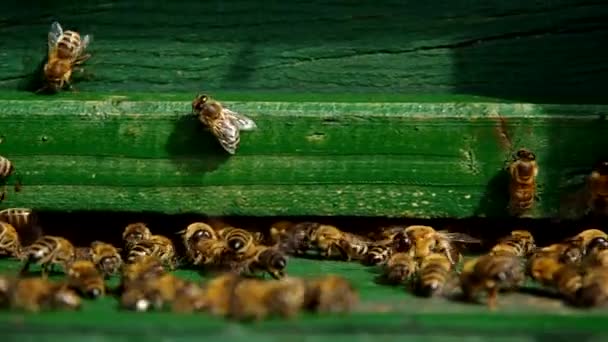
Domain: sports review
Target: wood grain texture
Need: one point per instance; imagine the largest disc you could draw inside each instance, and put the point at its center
(521, 50)
(427, 159)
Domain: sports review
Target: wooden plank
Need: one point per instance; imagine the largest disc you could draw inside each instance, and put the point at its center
(416, 159)
(519, 50)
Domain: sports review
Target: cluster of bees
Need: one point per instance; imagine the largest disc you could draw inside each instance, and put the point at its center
(144, 265)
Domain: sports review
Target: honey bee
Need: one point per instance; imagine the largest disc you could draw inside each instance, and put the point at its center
(264, 259)
(597, 252)
(582, 239)
(568, 281)
(491, 273)
(106, 258)
(594, 287)
(377, 255)
(37, 294)
(598, 188)
(6, 169)
(332, 242)
(65, 51)
(426, 240)
(238, 240)
(210, 253)
(522, 187)
(400, 268)
(330, 293)
(83, 253)
(84, 277)
(293, 239)
(146, 267)
(158, 246)
(5, 285)
(9, 240)
(219, 292)
(162, 290)
(190, 297)
(134, 233)
(518, 243)
(48, 251)
(545, 263)
(193, 234)
(225, 124)
(25, 222)
(256, 299)
(434, 274)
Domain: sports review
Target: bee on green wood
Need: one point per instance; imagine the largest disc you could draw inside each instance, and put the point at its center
(225, 124)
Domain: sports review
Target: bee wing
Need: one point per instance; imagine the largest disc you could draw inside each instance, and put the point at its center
(227, 134)
(86, 40)
(241, 121)
(459, 237)
(54, 35)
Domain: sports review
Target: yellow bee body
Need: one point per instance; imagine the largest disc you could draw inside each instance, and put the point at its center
(332, 242)
(522, 187)
(38, 294)
(106, 258)
(330, 293)
(134, 233)
(435, 271)
(48, 251)
(84, 277)
(65, 51)
(426, 241)
(225, 124)
(491, 273)
(192, 235)
(256, 299)
(25, 222)
(518, 243)
(9, 240)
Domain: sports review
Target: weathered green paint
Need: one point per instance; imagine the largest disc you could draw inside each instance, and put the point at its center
(522, 50)
(418, 159)
(386, 312)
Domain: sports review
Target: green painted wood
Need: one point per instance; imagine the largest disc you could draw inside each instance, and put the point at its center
(518, 50)
(384, 312)
(441, 158)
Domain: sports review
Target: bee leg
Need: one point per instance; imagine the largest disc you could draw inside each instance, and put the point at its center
(81, 59)
(25, 267)
(45, 270)
(492, 298)
(18, 184)
(3, 193)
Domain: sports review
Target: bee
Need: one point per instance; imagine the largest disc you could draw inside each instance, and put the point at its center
(48, 251)
(491, 273)
(37, 294)
(65, 51)
(219, 292)
(594, 287)
(238, 240)
(597, 252)
(210, 253)
(331, 242)
(256, 299)
(83, 253)
(330, 293)
(190, 297)
(400, 268)
(6, 169)
(426, 240)
(598, 188)
(582, 239)
(146, 267)
(265, 259)
(568, 281)
(434, 274)
(193, 234)
(84, 277)
(134, 233)
(106, 258)
(9, 240)
(518, 243)
(522, 186)
(5, 285)
(293, 239)
(377, 255)
(158, 246)
(161, 291)
(25, 222)
(545, 263)
(225, 124)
